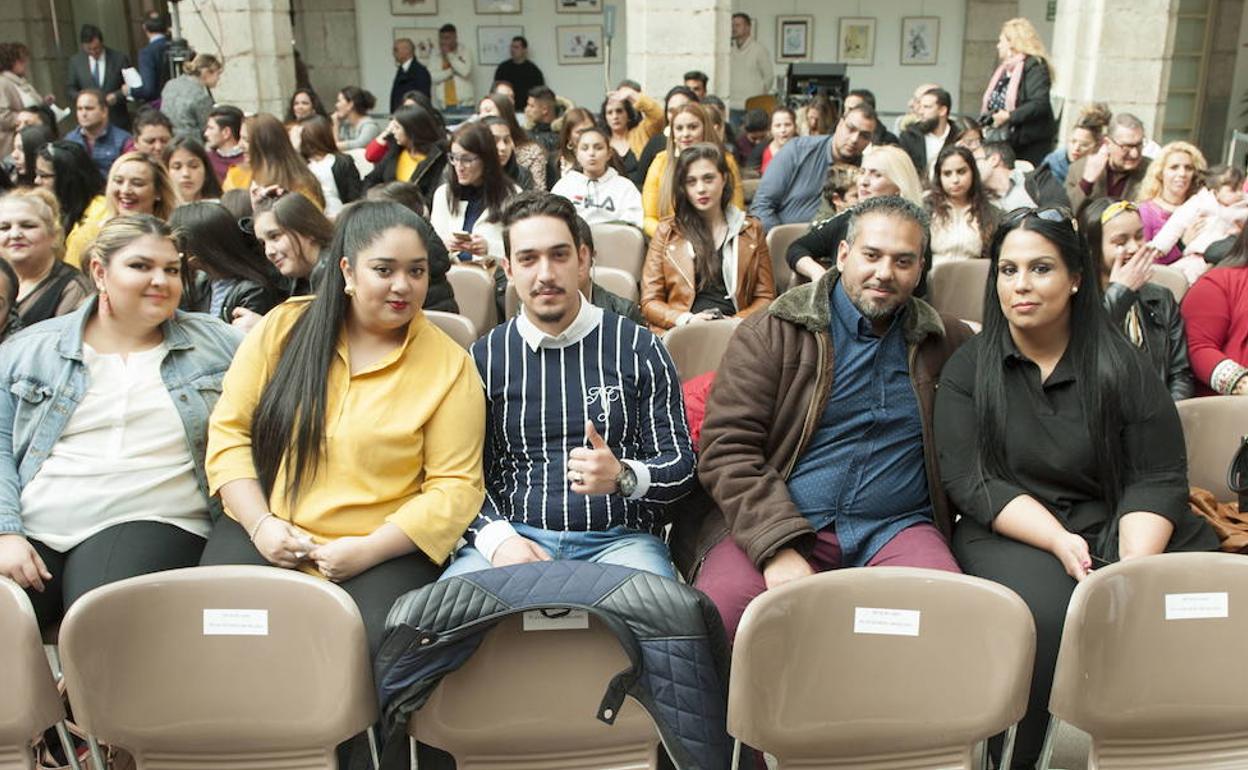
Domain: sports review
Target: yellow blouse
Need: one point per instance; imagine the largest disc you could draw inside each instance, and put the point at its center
(237, 178)
(654, 185)
(85, 231)
(407, 165)
(403, 439)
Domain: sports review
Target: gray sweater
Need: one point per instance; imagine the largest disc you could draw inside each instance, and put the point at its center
(187, 103)
(793, 185)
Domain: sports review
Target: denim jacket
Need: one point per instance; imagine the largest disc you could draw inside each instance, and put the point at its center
(43, 379)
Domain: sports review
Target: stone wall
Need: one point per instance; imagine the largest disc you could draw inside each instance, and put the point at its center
(667, 38)
(979, 47)
(31, 21)
(327, 41)
(1221, 102)
(254, 39)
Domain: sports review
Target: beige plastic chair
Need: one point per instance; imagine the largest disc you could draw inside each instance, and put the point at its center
(215, 667)
(749, 186)
(1152, 663)
(616, 281)
(620, 246)
(957, 288)
(1212, 429)
(1172, 279)
(456, 326)
(528, 700)
(474, 293)
(699, 347)
(824, 674)
(29, 701)
(779, 238)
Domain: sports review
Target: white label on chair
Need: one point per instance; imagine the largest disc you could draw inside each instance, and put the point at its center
(878, 620)
(1194, 606)
(555, 619)
(236, 622)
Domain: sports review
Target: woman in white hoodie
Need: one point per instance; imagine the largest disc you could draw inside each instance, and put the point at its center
(596, 187)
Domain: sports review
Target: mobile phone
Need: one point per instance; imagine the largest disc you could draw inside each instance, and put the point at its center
(460, 235)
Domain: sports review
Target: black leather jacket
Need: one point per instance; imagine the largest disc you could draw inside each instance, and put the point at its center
(244, 293)
(1164, 338)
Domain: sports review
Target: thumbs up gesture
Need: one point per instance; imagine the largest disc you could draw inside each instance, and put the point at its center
(593, 470)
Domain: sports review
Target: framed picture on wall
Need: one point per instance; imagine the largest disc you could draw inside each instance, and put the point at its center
(920, 39)
(581, 44)
(413, 7)
(424, 38)
(494, 43)
(794, 37)
(856, 41)
(498, 6)
(578, 6)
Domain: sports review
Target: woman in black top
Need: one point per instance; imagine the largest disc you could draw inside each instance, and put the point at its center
(417, 131)
(1146, 312)
(1058, 446)
(1016, 102)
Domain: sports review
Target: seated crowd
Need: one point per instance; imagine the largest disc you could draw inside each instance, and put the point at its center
(256, 288)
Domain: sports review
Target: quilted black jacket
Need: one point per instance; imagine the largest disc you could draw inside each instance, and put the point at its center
(672, 634)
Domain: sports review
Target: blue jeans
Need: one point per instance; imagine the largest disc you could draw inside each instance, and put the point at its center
(618, 545)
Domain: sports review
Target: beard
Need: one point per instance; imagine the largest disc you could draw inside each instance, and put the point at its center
(926, 126)
(878, 310)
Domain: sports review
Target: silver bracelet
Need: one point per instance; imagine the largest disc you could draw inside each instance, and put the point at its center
(256, 527)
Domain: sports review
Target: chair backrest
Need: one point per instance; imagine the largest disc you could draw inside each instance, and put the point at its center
(259, 666)
(474, 293)
(1212, 429)
(880, 667)
(621, 246)
(764, 102)
(749, 186)
(456, 326)
(616, 281)
(1171, 278)
(697, 348)
(1151, 662)
(29, 702)
(957, 288)
(779, 238)
(530, 698)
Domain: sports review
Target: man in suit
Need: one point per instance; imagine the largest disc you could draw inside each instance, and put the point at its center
(97, 67)
(1116, 170)
(153, 61)
(931, 133)
(411, 75)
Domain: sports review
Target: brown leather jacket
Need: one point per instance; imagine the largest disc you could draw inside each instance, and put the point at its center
(773, 384)
(668, 283)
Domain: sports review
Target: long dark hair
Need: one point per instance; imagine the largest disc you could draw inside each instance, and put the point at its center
(707, 262)
(77, 182)
(567, 132)
(317, 106)
(634, 117)
(212, 186)
(34, 139)
(423, 128)
(495, 184)
(288, 425)
(212, 237)
(1108, 369)
(507, 111)
(361, 101)
(316, 138)
(939, 205)
(274, 160)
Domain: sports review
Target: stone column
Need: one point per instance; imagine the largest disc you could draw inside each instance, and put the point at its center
(325, 34)
(667, 38)
(31, 21)
(979, 48)
(256, 42)
(1113, 51)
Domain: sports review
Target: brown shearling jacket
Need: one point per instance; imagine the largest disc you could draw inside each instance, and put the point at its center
(669, 285)
(773, 384)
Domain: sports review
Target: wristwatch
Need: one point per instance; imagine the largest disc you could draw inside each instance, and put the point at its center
(626, 482)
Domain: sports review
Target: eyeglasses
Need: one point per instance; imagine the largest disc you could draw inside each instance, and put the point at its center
(1116, 208)
(1137, 147)
(464, 160)
(1057, 214)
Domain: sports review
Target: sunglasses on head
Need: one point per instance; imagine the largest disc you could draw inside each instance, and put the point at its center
(1050, 214)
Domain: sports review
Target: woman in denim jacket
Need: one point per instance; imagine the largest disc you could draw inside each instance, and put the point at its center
(103, 424)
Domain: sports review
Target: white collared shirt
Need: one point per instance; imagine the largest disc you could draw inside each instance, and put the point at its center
(587, 319)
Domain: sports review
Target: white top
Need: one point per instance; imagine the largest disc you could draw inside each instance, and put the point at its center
(123, 457)
(933, 144)
(446, 221)
(610, 198)
(957, 238)
(323, 169)
(751, 72)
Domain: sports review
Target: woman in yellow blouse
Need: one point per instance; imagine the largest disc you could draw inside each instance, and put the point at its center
(347, 441)
(691, 124)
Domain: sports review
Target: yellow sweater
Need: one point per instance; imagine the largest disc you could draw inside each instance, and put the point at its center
(652, 118)
(85, 231)
(654, 185)
(403, 438)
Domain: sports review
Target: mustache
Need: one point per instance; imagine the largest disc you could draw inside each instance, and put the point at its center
(546, 287)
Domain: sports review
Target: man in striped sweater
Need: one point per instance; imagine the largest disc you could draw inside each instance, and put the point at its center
(587, 448)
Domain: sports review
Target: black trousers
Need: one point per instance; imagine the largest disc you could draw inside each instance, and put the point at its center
(374, 590)
(1039, 578)
(119, 552)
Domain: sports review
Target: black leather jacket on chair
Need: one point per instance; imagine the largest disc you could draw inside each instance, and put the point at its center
(1164, 338)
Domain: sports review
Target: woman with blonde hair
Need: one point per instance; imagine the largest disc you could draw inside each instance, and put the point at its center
(276, 167)
(187, 99)
(136, 184)
(106, 461)
(886, 170)
(1016, 101)
(1174, 176)
(32, 241)
(691, 124)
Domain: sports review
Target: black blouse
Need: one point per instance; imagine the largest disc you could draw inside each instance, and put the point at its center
(1049, 453)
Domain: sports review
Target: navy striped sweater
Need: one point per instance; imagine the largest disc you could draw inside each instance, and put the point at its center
(537, 402)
